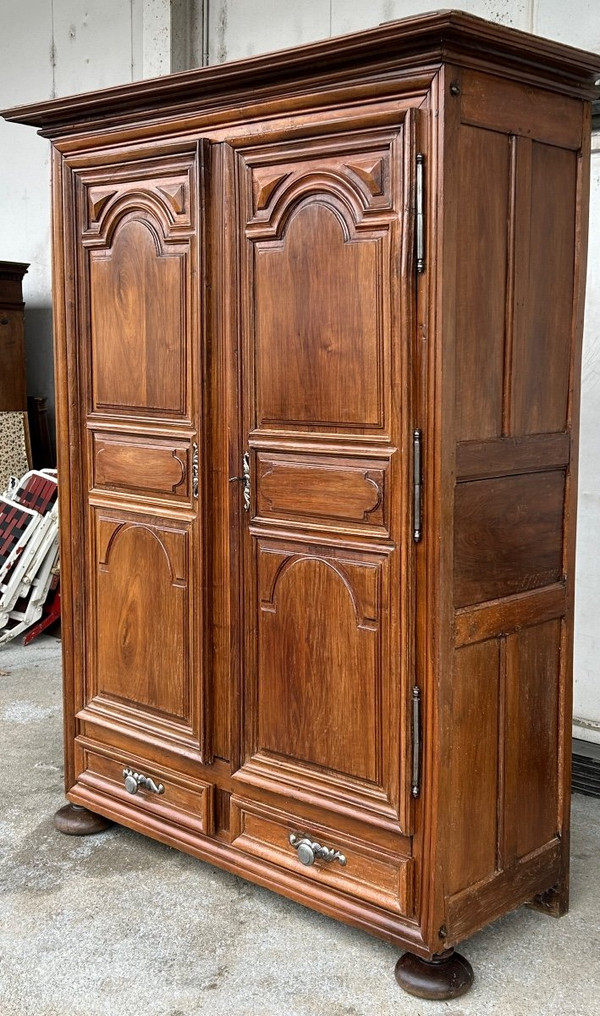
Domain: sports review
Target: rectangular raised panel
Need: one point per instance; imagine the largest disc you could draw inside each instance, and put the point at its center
(142, 465)
(325, 714)
(320, 217)
(137, 332)
(370, 873)
(543, 289)
(324, 490)
(518, 109)
(319, 349)
(531, 453)
(507, 535)
(139, 248)
(473, 725)
(145, 672)
(13, 393)
(481, 282)
(320, 678)
(184, 802)
(531, 738)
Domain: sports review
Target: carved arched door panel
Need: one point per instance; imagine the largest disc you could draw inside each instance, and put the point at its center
(141, 312)
(326, 331)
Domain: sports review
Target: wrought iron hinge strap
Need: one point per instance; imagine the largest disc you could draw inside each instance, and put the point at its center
(420, 214)
(417, 486)
(416, 742)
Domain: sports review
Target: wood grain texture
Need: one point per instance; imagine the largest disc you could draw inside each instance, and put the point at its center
(506, 456)
(142, 571)
(509, 614)
(13, 387)
(377, 876)
(321, 342)
(142, 465)
(508, 535)
(531, 738)
(183, 802)
(536, 114)
(320, 683)
(481, 283)
(473, 762)
(137, 337)
(544, 294)
(324, 491)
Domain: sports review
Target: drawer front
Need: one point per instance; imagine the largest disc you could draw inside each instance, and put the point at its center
(365, 872)
(159, 467)
(180, 800)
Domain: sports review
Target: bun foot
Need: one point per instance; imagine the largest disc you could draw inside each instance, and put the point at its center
(73, 820)
(446, 975)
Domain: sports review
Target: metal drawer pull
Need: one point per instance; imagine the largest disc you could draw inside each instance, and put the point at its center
(309, 852)
(133, 782)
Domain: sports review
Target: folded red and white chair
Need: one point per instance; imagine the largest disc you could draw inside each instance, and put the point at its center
(29, 557)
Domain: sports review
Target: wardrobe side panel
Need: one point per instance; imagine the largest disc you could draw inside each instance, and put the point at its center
(515, 310)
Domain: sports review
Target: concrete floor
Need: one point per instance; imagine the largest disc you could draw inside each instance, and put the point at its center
(117, 925)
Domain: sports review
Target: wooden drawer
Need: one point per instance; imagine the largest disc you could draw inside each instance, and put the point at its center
(184, 801)
(370, 873)
(140, 465)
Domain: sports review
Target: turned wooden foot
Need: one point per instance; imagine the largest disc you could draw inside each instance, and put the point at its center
(446, 975)
(73, 820)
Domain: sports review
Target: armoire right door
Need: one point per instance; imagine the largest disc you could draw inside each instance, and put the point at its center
(325, 274)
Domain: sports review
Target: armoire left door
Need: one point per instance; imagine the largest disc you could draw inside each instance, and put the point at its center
(137, 455)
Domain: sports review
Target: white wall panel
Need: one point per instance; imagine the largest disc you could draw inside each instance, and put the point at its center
(92, 43)
(352, 15)
(26, 75)
(241, 29)
(587, 613)
(49, 49)
(576, 22)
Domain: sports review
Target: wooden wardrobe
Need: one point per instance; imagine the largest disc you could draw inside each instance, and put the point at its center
(318, 329)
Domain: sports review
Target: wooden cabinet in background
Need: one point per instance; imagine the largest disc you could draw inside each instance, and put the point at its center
(13, 391)
(318, 323)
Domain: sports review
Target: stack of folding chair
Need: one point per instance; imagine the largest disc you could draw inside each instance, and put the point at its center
(28, 550)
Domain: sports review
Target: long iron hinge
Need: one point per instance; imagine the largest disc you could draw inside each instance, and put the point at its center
(416, 742)
(420, 213)
(417, 486)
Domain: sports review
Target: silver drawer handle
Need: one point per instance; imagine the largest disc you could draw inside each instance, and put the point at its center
(309, 851)
(133, 782)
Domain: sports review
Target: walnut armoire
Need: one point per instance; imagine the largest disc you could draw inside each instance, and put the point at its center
(318, 330)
